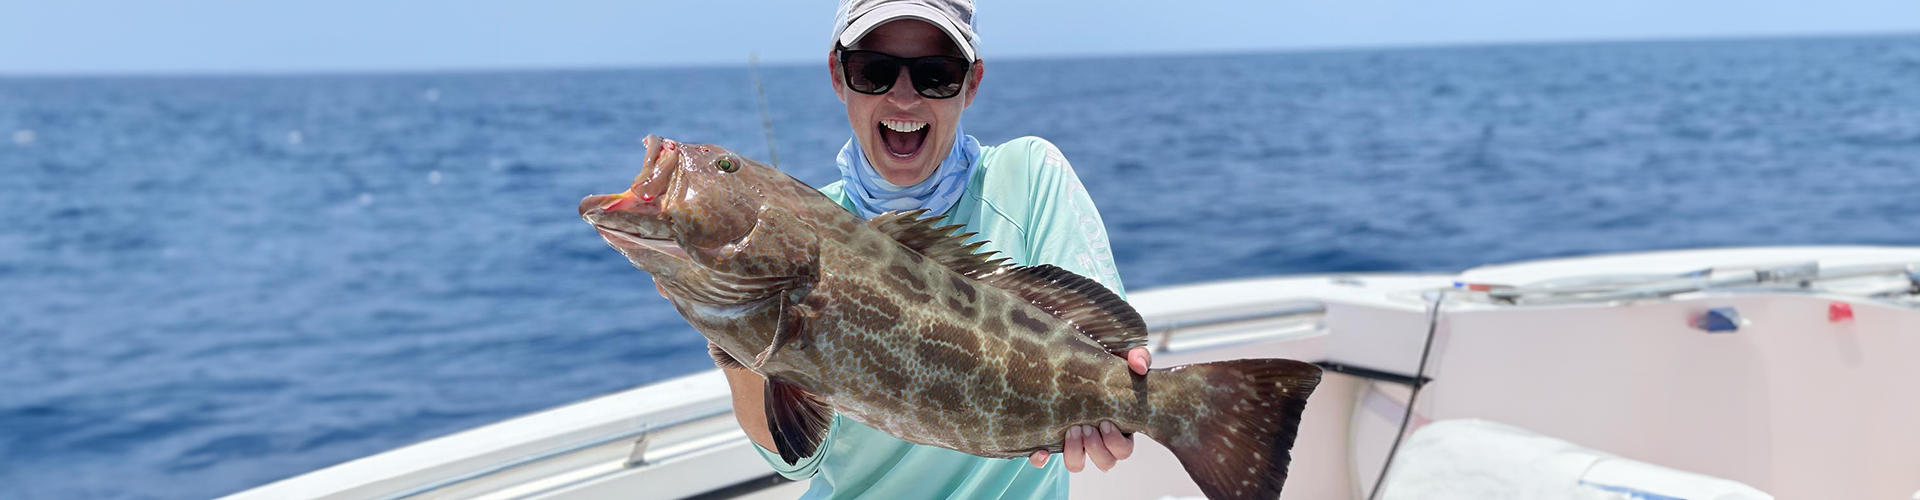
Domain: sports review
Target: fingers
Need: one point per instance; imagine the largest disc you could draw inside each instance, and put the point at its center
(1039, 458)
(1104, 445)
(1075, 451)
(1139, 358)
(1118, 444)
(1097, 451)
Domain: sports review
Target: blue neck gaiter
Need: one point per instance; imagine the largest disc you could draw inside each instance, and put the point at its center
(872, 195)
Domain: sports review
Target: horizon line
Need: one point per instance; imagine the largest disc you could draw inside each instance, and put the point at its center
(1300, 49)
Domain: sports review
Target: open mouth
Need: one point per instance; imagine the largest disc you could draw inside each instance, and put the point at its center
(665, 246)
(903, 137)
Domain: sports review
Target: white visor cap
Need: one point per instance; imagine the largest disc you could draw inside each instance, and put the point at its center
(856, 18)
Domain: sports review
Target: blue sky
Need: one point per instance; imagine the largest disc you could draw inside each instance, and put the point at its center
(270, 36)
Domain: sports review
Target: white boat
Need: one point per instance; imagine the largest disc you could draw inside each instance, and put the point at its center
(1787, 369)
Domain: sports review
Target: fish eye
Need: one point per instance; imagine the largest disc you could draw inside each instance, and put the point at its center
(726, 165)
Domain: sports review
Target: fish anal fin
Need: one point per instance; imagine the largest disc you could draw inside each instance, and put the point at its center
(1082, 302)
(938, 242)
(797, 419)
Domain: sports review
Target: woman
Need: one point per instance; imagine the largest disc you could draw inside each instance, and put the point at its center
(906, 70)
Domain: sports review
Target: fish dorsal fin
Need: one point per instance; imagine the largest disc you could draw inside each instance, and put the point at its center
(938, 242)
(1082, 302)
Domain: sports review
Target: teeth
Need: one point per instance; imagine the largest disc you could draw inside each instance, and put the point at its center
(902, 126)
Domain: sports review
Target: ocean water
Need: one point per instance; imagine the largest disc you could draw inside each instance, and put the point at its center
(211, 283)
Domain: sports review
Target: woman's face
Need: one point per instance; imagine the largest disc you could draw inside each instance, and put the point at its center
(904, 135)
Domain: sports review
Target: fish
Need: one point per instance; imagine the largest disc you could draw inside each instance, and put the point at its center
(900, 324)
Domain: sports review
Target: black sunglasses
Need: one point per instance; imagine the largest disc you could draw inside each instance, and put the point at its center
(873, 73)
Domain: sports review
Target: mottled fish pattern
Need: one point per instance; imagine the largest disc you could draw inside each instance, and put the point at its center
(901, 325)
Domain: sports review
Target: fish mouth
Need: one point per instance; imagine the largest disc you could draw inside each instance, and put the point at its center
(630, 223)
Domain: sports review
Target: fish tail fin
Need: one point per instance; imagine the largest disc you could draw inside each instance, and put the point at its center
(1242, 449)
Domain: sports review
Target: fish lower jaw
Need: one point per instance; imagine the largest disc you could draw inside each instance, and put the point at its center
(622, 238)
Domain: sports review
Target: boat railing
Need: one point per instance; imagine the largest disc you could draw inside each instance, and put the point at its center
(1212, 328)
(641, 454)
(1897, 283)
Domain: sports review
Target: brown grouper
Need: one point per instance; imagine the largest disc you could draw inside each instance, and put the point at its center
(901, 325)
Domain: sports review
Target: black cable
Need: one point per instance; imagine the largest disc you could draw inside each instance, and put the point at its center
(1419, 374)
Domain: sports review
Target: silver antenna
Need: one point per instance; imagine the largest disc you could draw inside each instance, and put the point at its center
(766, 114)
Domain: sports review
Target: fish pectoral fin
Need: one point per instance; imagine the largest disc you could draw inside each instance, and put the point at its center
(793, 330)
(797, 419)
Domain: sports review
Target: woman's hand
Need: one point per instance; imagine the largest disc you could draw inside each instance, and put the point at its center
(1103, 444)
